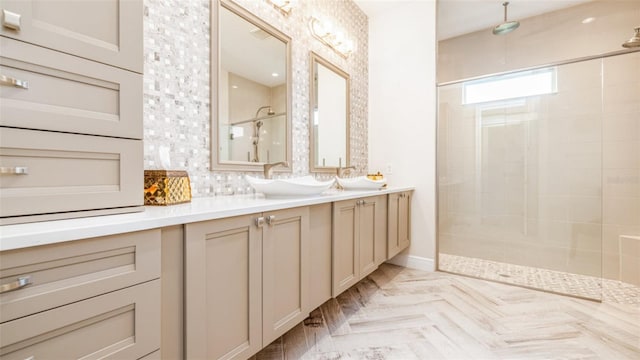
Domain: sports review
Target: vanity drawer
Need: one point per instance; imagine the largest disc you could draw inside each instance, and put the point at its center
(67, 272)
(67, 172)
(60, 92)
(107, 31)
(124, 324)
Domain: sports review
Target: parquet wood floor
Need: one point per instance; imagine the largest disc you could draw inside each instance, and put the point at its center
(398, 313)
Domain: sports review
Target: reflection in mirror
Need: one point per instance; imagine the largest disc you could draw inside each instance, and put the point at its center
(329, 118)
(252, 121)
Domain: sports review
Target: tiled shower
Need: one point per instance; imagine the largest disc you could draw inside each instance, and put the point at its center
(539, 165)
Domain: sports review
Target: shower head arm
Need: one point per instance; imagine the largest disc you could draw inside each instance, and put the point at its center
(269, 112)
(505, 4)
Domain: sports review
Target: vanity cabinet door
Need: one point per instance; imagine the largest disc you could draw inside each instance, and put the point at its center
(359, 239)
(367, 236)
(381, 230)
(107, 31)
(399, 222)
(223, 288)
(285, 270)
(319, 254)
(345, 245)
(373, 233)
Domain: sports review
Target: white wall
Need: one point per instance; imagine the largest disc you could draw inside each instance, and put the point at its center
(402, 110)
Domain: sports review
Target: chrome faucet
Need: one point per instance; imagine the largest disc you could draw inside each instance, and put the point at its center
(268, 168)
(340, 171)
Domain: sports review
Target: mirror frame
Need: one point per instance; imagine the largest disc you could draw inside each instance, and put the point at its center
(317, 59)
(216, 162)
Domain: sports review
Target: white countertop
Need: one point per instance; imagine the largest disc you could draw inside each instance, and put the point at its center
(199, 209)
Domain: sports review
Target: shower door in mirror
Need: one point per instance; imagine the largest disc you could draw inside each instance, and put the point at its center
(252, 118)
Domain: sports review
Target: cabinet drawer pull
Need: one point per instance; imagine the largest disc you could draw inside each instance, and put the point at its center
(260, 221)
(11, 20)
(271, 219)
(16, 170)
(18, 284)
(9, 81)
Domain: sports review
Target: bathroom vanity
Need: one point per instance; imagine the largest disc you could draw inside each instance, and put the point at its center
(242, 269)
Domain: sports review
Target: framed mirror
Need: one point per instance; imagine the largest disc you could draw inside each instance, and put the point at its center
(251, 91)
(329, 116)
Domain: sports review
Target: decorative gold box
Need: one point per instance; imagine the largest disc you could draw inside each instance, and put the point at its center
(165, 187)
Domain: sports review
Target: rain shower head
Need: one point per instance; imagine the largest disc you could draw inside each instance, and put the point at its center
(507, 26)
(634, 42)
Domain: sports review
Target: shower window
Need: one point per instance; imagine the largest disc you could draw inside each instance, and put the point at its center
(511, 86)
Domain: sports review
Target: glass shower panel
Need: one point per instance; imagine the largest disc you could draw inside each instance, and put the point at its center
(621, 169)
(520, 178)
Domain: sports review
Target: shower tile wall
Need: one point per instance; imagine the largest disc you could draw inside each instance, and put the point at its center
(176, 83)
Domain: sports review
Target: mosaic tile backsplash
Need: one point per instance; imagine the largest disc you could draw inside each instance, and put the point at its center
(177, 107)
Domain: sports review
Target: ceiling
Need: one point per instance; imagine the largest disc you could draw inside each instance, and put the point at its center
(457, 17)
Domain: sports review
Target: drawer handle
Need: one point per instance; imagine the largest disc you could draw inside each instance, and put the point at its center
(260, 221)
(17, 170)
(11, 20)
(9, 81)
(18, 284)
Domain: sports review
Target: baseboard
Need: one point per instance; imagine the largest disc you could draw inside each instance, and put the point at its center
(413, 262)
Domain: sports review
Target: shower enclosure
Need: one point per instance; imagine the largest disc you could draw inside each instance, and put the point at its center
(534, 167)
(539, 176)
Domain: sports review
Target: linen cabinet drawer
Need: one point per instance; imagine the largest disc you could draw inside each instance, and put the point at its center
(124, 324)
(47, 90)
(62, 273)
(46, 172)
(107, 31)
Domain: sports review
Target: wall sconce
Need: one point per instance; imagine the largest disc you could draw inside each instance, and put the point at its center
(336, 40)
(284, 6)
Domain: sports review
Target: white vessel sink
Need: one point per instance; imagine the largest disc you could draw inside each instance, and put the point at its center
(361, 183)
(300, 186)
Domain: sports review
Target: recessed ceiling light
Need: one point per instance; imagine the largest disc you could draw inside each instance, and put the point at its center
(234, 86)
(588, 20)
(275, 74)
